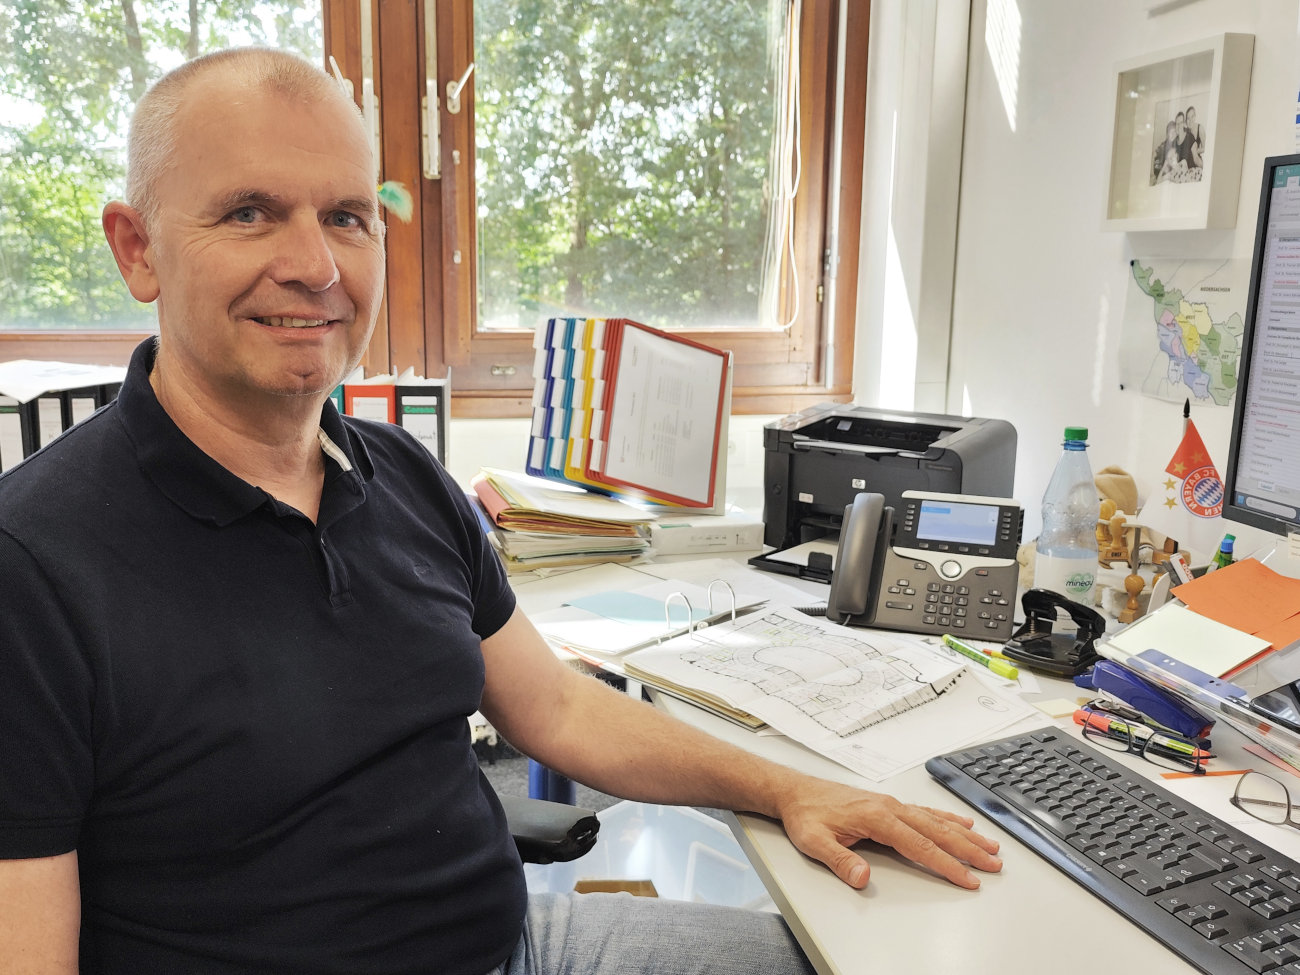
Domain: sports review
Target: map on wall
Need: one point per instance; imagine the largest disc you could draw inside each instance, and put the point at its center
(1182, 329)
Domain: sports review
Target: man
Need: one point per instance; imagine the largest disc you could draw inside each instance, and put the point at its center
(242, 634)
(1192, 146)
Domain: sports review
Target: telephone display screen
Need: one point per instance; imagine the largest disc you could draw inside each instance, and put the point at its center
(948, 521)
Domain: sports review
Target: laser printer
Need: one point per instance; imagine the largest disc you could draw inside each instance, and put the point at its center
(816, 461)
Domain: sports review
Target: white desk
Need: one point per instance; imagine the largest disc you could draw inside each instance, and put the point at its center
(1030, 918)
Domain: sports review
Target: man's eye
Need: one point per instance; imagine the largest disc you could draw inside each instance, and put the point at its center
(343, 219)
(245, 215)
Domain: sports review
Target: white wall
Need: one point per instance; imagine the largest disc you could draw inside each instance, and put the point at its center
(1039, 287)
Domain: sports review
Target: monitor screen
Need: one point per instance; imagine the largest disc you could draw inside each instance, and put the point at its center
(1262, 480)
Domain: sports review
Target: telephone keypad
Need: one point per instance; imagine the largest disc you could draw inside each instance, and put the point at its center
(943, 602)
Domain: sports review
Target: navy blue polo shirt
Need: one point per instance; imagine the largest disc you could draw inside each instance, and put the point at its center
(252, 729)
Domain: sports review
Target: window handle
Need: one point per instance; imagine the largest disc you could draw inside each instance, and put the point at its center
(454, 88)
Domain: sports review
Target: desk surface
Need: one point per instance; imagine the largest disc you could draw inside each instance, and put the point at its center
(1030, 918)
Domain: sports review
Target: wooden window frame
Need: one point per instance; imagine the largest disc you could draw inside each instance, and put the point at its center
(776, 372)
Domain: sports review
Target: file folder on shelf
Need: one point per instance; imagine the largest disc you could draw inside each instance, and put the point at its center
(15, 432)
(423, 409)
(371, 399)
(41, 399)
(421, 406)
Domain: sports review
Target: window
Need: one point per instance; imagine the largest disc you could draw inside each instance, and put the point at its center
(606, 158)
(582, 143)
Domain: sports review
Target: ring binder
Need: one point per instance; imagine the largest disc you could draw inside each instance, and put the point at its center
(610, 623)
(725, 583)
(691, 622)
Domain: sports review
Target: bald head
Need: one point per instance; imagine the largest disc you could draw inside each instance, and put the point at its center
(152, 139)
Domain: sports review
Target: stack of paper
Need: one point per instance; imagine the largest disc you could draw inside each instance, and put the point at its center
(527, 551)
(522, 503)
(539, 524)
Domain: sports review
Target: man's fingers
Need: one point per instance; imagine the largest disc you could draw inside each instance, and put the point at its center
(843, 862)
(945, 847)
(967, 824)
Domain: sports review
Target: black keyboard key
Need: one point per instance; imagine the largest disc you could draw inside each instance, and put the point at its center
(1253, 955)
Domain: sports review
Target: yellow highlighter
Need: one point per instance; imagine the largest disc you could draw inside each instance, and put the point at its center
(1000, 667)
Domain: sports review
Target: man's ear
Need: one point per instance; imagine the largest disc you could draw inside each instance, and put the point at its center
(124, 227)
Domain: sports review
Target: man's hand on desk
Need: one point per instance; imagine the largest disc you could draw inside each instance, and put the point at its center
(823, 819)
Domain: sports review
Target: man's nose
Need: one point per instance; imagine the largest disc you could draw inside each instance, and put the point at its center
(304, 255)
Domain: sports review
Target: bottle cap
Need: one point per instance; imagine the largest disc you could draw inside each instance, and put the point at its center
(1226, 544)
(1076, 433)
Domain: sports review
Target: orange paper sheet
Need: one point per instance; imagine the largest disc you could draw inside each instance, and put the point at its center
(1250, 597)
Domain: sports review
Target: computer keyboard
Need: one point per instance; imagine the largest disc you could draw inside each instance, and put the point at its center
(1219, 898)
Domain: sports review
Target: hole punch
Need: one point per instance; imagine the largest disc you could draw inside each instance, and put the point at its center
(1057, 654)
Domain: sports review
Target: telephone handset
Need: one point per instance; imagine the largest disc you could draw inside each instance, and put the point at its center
(944, 563)
(864, 534)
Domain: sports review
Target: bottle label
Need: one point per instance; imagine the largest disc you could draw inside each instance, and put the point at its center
(1072, 578)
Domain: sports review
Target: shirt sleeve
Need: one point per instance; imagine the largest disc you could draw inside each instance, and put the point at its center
(46, 689)
(494, 600)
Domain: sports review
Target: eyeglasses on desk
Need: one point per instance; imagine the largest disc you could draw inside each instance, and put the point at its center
(1114, 732)
(1267, 799)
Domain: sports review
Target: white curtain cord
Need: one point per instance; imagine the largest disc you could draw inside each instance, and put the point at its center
(789, 166)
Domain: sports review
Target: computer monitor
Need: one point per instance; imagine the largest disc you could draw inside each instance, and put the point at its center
(1262, 479)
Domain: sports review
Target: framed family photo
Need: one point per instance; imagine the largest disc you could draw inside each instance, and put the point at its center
(1180, 121)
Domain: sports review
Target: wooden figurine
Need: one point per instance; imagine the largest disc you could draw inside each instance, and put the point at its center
(1112, 541)
(1133, 585)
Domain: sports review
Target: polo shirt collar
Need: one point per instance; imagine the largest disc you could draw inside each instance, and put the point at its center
(194, 481)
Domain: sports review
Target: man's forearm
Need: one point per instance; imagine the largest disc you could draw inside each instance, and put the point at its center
(626, 748)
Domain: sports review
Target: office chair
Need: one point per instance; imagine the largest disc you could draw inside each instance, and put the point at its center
(549, 832)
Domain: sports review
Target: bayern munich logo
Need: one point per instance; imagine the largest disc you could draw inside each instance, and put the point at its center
(1203, 493)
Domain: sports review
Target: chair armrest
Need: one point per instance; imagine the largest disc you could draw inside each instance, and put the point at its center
(549, 832)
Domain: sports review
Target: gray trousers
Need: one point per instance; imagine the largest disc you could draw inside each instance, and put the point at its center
(618, 934)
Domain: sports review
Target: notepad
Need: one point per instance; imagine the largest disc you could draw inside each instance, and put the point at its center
(1211, 647)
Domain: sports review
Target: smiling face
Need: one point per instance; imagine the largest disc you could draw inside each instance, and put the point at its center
(267, 252)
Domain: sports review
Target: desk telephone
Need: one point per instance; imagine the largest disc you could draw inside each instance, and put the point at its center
(947, 566)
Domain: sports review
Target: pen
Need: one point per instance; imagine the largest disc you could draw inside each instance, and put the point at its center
(1137, 732)
(999, 667)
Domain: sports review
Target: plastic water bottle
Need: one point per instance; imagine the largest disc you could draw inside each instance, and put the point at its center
(1067, 546)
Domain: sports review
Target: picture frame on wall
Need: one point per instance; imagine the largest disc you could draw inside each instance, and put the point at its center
(1180, 123)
